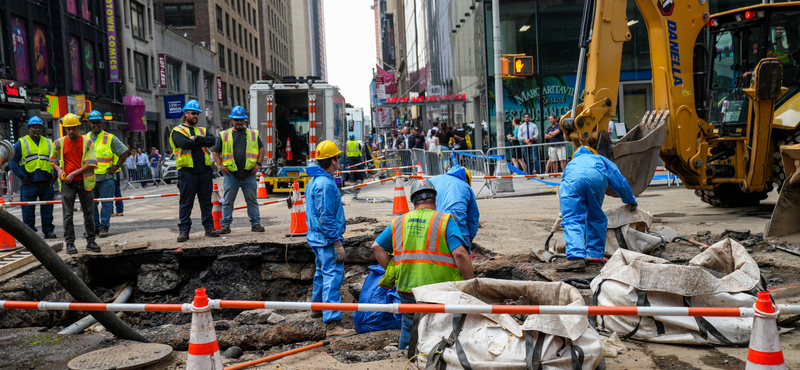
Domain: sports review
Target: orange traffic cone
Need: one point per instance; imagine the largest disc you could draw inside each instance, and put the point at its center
(765, 346)
(262, 188)
(298, 226)
(400, 201)
(216, 209)
(203, 346)
(419, 169)
(6, 241)
(289, 149)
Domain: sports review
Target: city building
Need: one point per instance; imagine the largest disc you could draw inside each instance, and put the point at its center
(308, 26)
(277, 47)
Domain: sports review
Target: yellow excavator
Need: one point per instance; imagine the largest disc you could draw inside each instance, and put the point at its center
(725, 93)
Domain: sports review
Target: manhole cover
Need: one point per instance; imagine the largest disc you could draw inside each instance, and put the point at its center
(131, 356)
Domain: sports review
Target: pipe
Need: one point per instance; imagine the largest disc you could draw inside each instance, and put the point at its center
(81, 325)
(278, 356)
(64, 275)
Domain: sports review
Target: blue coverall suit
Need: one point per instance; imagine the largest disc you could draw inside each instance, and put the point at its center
(455, 196)
(326, 225)
(581, 194)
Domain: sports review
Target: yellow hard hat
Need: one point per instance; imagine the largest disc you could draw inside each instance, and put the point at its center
(327, 149)
(469, 177)
(70, 120)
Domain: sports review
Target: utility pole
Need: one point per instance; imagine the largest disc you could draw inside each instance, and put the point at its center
(504, 185)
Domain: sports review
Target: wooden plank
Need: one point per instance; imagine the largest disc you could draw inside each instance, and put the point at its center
(135, 246)
(16, 264)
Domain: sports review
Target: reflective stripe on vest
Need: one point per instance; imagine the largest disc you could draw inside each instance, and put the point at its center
(251, 150)
(184, 158)
(102, 151)
(34, 159)
(352, 149)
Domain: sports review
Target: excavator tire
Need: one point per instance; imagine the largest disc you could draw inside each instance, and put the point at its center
(729, 196)
(780, 175)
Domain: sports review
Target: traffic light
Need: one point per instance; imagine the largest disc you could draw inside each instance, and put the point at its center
(523, 66)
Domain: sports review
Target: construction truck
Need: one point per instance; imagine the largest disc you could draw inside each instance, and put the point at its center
(725, 88)
(292, 117)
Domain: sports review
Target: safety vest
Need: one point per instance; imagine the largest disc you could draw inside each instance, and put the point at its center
(87, 157)
(421, 253)
(184, 158)
(251, 152)
(781, 56)
(352, 149)
(102, 151)
(36, 157)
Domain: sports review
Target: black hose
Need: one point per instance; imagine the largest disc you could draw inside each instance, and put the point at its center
(64, 275)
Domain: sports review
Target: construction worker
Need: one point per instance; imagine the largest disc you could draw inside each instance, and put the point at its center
(455, 196)
(326, 226)
(74, 160)
(31, 165)
(111, 154)
(193, 159)
(581, 194)
(238, 152)
(419, 258)
(353, 158)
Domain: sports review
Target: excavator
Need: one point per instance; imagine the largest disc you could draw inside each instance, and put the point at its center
(725, 93)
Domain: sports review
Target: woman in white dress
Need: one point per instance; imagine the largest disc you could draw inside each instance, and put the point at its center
(433, 143)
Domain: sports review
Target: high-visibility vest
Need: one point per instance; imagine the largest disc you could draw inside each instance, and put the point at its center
(251, 152)
(183, 158)
(102, 151)
(781, 56)
(421, 253)
(87, 157)
(352, 149)
(36, 156)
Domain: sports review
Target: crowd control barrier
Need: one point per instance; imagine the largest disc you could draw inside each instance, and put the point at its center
(143, 174)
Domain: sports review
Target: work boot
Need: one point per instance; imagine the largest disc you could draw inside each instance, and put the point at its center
(335, 329)
(257, 228)
(184, 236)
(92, 247)
(120, 214)
(50, 235)
(212, 233)
(224, 230)
(103, 232)
(316, 314)
(71, 248)
(572, 264)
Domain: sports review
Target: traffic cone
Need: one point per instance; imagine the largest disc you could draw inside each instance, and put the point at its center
(765, 347)
(289, 149)
(216, 209)
(203, 346)
(400, 201)
(6, 241)
(298, 226)
(419, 170)
(262, 188)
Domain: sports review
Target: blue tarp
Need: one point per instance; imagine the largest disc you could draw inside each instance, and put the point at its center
(366, 322)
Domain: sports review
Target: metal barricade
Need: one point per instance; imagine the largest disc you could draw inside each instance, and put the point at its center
(418, 157)
(473, 159)
(533, 156)
(142, 173)
(437, 163)
(398, 158)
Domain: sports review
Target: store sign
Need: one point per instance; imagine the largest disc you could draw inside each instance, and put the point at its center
(162, 70)
(14, 94)
(219, 88)
(173, 106)
(111, 33)
(460, 98)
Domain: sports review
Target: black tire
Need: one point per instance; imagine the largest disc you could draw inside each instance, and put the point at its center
(791, 138)
(168, 181)
(730, 195)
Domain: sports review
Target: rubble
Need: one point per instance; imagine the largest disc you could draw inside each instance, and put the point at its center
(158, 277)
(252, 317)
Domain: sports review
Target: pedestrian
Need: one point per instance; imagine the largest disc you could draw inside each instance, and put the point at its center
(556, 152)
(111, 154)
(459, 138)
(583, 187)
(354, 157)
(434, 129)
(326, 227)
(142, 167)
(516, 153)
(433, 142)
(31, 165)
(419, 258)
(445, 134)
(193, 159)
(454, 195)
(154, 158)
(528, 135)
(417, 141)
(74, 160)
(130, 164)
(238, 152)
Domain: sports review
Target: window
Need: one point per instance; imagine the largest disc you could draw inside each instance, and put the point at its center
(227, 24)
(208, 81)
(241, 65)
(251, 43)
(179, 15)
(234, 30)
(241, 39)
(140, 66)
(258, 73)
(137, 19)
(239, 6)
(230, 62)
(173, 77)
(256, 49)
(247, 70)
(244, 40)
(221, 52)
(231, 96)
(238, 96)
(247, 14)
(224, 93)
(236, 64)
(255, 20)
(219, 19)
(191, 81)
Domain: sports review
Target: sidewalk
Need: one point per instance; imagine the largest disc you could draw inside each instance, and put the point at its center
(522, 187)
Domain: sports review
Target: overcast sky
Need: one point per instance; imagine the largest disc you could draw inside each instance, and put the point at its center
(350, 44)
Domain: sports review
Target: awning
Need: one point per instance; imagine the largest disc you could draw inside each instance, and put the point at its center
(134, 113)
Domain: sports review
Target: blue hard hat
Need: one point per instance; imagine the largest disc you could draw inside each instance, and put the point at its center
(352, 136)
(237, 113)
(95, 115)
(192, 105)
(370, 136)
(35, 121)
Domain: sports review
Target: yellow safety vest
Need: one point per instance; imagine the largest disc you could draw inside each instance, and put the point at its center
(36, 157)
(184, 158)
(102, 151)
(781, 56)
(227, 150)
(87, 158)
(352, 149)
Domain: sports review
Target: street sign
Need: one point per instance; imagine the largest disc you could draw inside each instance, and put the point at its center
(523, 66)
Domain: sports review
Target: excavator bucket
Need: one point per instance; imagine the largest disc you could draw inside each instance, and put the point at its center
(786, 215)
(636, 153)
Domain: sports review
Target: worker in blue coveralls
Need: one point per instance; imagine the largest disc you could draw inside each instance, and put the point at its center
(326, 226)
(581, 194)
(455, 196)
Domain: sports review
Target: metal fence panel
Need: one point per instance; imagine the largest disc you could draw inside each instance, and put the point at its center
(142, 173)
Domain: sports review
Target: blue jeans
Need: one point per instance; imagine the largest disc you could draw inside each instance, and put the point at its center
(249, 186)
(408, 319)
(118, 193)
(327, 281)
(40, 190)
(191, 185)
(103, 189)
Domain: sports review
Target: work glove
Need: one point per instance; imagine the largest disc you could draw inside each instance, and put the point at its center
(339, 252)
(632, 206)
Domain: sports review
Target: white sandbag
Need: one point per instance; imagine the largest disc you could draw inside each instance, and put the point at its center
(497, 341)
(723, 275)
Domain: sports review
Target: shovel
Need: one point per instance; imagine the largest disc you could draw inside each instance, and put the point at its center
(545, 256)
